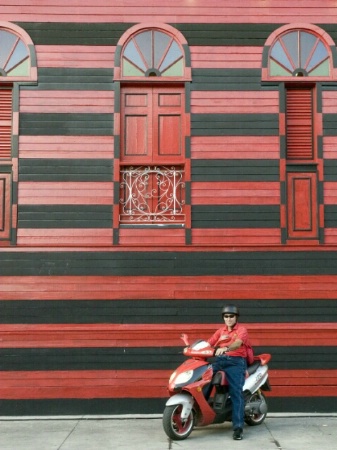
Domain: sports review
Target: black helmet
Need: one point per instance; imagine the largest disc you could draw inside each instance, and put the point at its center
(230, 309)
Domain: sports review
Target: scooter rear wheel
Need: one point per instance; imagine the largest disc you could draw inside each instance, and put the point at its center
(258, 418)
(174, 427)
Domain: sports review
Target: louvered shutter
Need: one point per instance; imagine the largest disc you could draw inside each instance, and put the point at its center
(5, 123)
(299, 124)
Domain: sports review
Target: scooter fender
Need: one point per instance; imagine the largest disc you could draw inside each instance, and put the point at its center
(186, 400)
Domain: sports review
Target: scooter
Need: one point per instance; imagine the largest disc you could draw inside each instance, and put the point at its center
(189, 387)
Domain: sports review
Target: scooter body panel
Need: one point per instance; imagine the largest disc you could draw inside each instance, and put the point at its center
(256, 379)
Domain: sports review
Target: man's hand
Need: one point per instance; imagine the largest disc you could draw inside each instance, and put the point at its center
(220, 351)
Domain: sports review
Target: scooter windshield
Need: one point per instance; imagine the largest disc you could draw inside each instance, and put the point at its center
(200, 345)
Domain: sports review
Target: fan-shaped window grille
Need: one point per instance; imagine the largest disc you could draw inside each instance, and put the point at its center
(14, 56)
(299, 53)
(152, 53)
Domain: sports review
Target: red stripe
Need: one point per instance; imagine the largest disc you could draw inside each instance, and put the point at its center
(235, 147)
(163, 287)
(152, 236)
(66, 147)
(67, 102)
(101, 57)
(163, 335)
(48, 193)
(143, 384)
(222, 57)
(239, 193)
(64, 236)
(229, 102)
(245, 11)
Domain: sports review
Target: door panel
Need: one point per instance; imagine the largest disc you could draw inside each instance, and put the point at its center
(169, 139)
(136, 136)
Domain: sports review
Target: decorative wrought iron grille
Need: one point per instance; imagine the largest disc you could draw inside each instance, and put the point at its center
(152, 195)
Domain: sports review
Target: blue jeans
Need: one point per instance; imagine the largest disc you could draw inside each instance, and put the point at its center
(235, 370)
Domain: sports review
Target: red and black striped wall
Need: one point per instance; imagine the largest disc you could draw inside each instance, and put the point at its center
(88, 327)
(98, 332)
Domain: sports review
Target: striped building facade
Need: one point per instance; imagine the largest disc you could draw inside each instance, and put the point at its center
(92, 302)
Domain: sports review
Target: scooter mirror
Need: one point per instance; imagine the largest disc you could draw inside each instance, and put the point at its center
(184, 337)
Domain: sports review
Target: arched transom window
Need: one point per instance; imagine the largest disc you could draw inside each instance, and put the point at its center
(152, 53)
(14, 56)
(299, 53)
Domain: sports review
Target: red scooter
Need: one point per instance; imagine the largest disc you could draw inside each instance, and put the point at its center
(188, 405)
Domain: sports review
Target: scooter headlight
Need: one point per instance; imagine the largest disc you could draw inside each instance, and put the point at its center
(184, 377)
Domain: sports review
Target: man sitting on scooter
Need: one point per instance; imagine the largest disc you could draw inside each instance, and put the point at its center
(230, 342)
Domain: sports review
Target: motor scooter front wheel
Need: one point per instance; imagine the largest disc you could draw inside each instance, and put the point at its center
(176, 428)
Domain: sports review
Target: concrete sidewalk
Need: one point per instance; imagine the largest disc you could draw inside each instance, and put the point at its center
(276, 433)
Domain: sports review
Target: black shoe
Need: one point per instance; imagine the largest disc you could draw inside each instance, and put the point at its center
(237, 435)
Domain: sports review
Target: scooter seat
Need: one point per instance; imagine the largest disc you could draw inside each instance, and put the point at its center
(252, 368)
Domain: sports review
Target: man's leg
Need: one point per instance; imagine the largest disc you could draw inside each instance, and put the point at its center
(235, 373)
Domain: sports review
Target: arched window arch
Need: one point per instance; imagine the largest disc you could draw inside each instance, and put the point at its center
(300, 52)
(17, 54)
(149, 50)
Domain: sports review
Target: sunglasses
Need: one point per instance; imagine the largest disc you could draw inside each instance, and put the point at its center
(229, 316)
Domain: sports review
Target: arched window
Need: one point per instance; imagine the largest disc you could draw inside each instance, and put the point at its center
(152, 53)
(14, 55)
(299, 53)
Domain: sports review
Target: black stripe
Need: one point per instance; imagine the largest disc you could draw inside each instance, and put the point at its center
(330, 216)
(226, 33)
(65, 33)
(178, 311)
(46, 124)
(234, 124)
(235, 216)
(56, 33)
(329, 124)
(235, 170)
(226, 80)
(168, 263)
(119, 406)
(149, 358)
(65, 169)
(330, 170)
(73, 79)
(65, 216)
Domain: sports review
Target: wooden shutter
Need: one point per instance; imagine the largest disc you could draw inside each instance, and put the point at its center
(299, 124)
(5, 123)
(152, 125)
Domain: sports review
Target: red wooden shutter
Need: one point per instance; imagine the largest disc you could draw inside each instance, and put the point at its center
(5, 123)
(299, 124)
(152, 125)
(168, 130)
